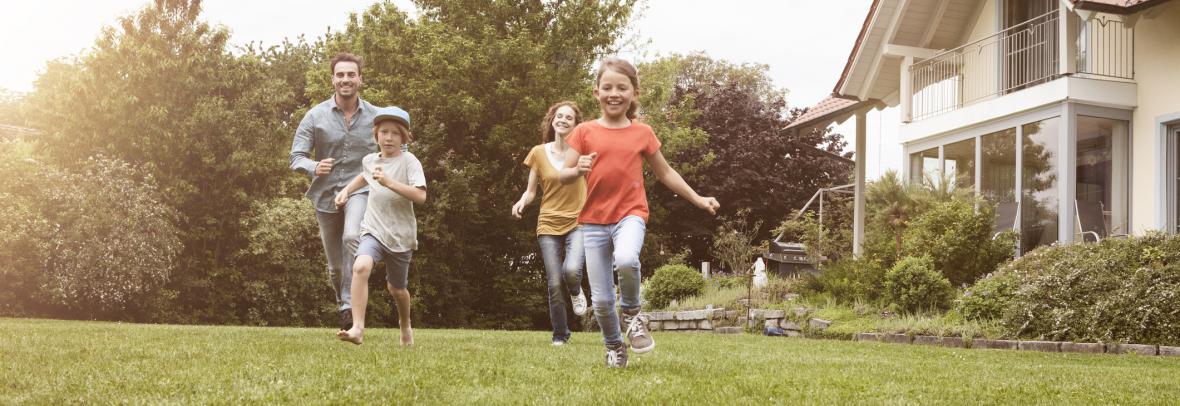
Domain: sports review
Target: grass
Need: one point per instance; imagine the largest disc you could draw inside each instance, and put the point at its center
(860, 318)
(55, 362)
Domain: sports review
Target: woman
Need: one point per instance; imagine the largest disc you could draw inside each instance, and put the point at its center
(557, 223)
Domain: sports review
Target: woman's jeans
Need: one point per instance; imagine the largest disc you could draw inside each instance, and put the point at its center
(563, 258)
(613, 247)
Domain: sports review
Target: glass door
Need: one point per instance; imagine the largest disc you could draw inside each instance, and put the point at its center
(1174, 174)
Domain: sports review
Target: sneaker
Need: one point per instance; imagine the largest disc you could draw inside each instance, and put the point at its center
(616, 356)
(558, 343)
(638, 337)
(346, 319)
(579, 302)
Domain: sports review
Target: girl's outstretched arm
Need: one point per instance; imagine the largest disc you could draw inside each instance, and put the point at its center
(527, 197)
(672, 179)
(575, 165)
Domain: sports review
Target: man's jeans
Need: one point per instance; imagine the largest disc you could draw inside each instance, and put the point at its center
(339, 231)
(613, 247)
(563, 257)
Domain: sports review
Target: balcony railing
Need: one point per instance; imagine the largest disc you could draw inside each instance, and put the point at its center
(1019, 57)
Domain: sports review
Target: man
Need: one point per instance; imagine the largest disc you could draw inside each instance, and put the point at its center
(338, 132)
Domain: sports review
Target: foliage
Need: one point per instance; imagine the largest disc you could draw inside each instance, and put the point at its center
(733, 244)
(80, 245)
(830, 240)
(958, 237)
(721, 127)
(24, 229)
(1119, 290)
(913, 285)
(988, 298)
(672, 282)
(850, 280)
(163, 91)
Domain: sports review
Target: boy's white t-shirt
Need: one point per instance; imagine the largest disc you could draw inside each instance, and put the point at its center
(389, 216)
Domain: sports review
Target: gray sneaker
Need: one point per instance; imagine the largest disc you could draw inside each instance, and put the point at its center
(637, 334)
(616, 355)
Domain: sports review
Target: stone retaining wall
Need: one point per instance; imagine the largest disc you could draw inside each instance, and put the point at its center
(1021, 345)
(714, 319)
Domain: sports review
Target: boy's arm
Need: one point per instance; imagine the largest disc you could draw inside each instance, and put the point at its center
(672, 179)
(526, 198)
(356, 183)
(415, 194)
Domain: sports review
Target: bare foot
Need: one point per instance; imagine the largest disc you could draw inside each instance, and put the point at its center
(355, 335)
(407, 337)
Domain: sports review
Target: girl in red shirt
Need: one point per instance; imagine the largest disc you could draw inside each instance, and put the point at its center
(610, 153)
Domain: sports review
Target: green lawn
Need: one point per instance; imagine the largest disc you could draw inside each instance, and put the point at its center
(55, 362)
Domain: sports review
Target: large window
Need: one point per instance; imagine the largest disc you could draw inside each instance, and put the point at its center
(924, 166)
(1102, 175)
(1039, 205)
(1019, 169)
(998, 171)
(959, 161)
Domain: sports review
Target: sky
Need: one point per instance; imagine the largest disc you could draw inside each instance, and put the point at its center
(804, 43)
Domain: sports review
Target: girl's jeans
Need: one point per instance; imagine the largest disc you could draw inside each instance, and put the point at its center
(613, 247)
(563, 257)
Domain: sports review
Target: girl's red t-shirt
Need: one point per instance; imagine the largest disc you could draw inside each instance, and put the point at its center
(614, 187)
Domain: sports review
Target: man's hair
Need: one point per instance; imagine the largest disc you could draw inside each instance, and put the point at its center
(347, 57)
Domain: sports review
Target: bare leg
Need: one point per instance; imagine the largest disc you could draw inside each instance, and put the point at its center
(360, 300)
(402, 298)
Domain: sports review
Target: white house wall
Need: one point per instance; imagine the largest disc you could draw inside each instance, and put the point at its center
(1157, 70)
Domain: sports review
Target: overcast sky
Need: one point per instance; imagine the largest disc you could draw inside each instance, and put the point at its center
(804, 43)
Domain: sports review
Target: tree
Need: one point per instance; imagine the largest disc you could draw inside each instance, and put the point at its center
(477, 78)
(741, 155)
(162, 90)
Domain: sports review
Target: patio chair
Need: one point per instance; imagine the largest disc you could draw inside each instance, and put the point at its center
(1007, 218)
(1091, 221)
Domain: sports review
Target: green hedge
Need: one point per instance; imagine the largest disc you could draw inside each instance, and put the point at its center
(1124, 290)
(672, 282)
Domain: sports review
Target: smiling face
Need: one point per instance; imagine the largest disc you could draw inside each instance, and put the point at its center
(346, 79)
(615, 93)
(390, 135)
(564, 120)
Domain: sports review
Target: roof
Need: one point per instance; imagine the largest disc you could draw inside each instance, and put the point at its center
(14, 132)
(829, 107)
(1116, 6)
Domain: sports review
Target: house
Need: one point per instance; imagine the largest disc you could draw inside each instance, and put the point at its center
(1064, 112)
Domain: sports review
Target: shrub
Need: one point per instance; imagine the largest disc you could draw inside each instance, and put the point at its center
(988, 298)
(850, 280)
(913, 285)
(1115, 291)
(958, 239)
(734, 245)
(672, 282)
(113, 240)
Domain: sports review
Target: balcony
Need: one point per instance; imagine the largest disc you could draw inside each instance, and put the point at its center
(1020, 57)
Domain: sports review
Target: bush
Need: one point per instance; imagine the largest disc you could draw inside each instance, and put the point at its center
(1124, 290)
(959, 240)
(672, 282)
(913, 285)
(850, 280)
(988, 298)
